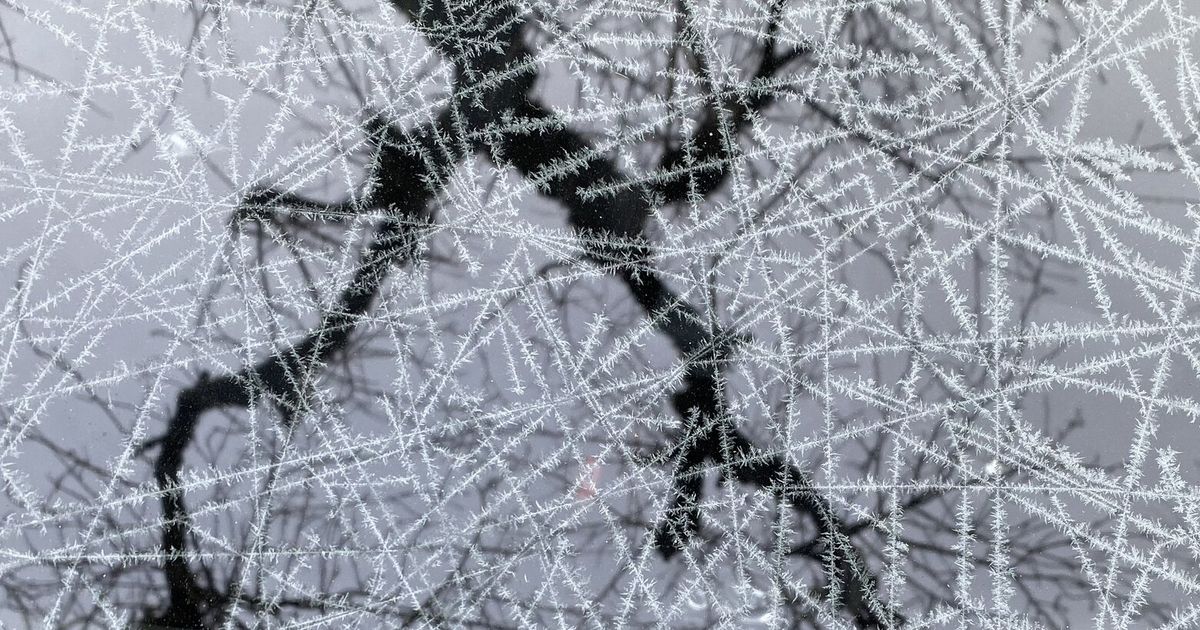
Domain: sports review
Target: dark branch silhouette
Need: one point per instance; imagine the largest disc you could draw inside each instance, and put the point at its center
(404, 192)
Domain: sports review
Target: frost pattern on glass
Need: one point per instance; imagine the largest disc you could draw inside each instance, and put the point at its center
(691, 313)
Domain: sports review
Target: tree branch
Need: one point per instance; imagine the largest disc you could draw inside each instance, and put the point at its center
(405, 189)
(611, 228)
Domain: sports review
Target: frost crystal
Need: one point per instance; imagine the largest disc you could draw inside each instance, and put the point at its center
(607, 314)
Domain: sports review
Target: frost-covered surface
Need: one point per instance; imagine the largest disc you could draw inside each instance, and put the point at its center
(696, 313)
